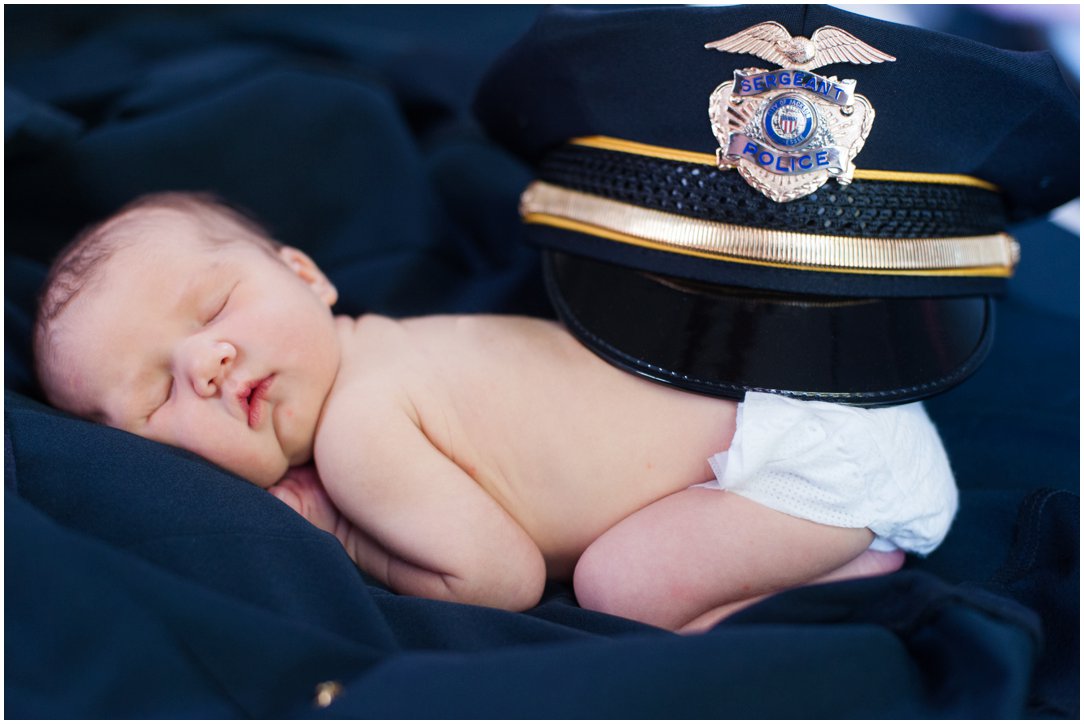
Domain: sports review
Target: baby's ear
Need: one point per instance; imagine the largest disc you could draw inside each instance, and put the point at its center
(306, 268)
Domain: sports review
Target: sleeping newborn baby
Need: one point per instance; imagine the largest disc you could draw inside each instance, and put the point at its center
(470, 458)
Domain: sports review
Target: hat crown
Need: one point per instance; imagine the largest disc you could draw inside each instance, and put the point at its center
(946, 105)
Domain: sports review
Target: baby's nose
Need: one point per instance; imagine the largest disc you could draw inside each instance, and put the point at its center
(209, 364)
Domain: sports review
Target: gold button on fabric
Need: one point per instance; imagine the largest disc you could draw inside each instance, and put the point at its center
(327, 692)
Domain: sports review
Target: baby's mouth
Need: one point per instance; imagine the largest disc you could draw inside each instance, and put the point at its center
(253, 397)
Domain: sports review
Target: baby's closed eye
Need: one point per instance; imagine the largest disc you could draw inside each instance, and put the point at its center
(220, 307)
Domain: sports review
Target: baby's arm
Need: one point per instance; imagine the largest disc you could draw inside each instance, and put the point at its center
(302, 490)
(416, 521)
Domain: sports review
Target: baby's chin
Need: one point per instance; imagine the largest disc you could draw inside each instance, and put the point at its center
(262, 476)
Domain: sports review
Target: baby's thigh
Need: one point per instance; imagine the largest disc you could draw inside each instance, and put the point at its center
(699, 549)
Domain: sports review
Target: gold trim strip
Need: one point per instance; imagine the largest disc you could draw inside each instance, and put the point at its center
(973, 256)
(607, 143)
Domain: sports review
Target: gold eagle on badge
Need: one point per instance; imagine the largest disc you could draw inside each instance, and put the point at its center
(772, 42)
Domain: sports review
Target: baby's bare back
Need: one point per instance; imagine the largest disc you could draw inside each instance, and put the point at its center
(567, 444)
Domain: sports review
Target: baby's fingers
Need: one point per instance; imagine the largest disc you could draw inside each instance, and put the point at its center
(285, 492)
(302, 491)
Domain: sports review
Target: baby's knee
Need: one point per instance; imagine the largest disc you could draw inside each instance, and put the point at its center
(605, 580)
(588, 580)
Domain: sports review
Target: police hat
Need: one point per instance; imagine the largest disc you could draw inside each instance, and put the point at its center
(792, 199)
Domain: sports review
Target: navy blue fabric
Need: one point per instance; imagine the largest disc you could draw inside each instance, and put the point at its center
(142, 581)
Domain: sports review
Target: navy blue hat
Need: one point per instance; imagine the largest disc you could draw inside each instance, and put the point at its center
(790, 198)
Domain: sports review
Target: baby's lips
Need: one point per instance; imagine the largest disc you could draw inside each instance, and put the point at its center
(239, 395)
(256, 398)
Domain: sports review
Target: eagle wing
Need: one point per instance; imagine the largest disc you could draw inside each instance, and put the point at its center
(763, 40)
(835, 45)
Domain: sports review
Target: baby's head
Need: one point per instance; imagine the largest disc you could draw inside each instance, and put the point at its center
(180, 320)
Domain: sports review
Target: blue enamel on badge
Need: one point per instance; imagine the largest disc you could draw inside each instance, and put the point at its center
(789, 121)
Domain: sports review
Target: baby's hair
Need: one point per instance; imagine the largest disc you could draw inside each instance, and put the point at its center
(82, 260)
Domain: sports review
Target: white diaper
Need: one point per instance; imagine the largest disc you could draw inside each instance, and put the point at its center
(884, 469)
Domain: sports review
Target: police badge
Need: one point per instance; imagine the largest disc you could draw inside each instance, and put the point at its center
(788, 131)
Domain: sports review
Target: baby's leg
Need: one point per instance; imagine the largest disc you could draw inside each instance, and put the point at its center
(868, 563)
(697, 555)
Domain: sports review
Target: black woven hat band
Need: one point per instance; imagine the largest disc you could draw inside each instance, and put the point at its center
(948, 230)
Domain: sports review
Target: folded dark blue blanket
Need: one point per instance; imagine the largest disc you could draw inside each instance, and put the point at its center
(142, 581)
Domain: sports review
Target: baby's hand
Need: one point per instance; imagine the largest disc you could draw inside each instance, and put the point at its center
(302, 490)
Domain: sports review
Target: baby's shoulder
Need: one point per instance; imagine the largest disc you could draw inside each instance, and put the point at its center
(365, 405)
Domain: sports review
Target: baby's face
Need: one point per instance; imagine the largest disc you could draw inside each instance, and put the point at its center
(225, 350)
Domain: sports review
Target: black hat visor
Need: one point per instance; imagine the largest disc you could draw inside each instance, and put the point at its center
(725, 341)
